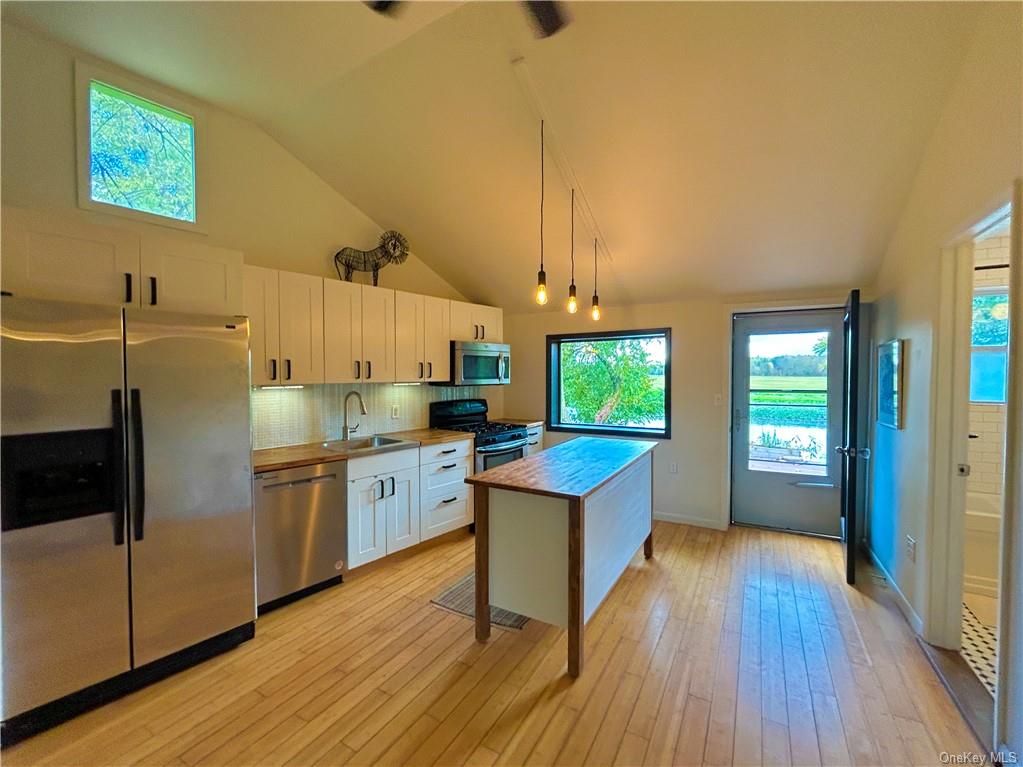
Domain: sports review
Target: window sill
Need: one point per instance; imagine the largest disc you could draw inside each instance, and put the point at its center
(609, 431)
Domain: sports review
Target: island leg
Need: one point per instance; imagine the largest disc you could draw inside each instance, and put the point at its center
(648, 544)
(482, 506)
(576, 541)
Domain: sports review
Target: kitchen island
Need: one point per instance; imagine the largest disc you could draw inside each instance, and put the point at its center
(556, 530)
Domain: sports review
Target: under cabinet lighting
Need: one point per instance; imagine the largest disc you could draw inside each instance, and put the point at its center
(289, 386)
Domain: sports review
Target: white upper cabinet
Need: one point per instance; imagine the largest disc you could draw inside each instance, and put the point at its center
(475, 322)
(437, 338)
(301, 328)
(184, 276)
(409, 337)
(377, 335)
(342, 332)
(262, 307)
(48, 256)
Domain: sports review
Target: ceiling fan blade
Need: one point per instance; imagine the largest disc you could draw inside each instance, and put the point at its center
(547, 15)
(386, 7)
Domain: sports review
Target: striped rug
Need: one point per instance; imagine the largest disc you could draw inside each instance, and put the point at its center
(460, 598)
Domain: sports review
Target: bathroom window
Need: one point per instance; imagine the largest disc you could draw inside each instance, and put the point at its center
(990, 347)
(137, 150)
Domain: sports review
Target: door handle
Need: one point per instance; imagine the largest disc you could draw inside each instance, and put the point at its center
(287, 369)
(483, 334)
(450, 500)
(449, 452)
(139, 516)
(381, 496)
(273, 369)
(117, 411)
(476, 332)
(429, 370)
(358, 369)
(369, 369)
(420, 369)
(394, 487)
(449, 465)
(127, 287)
(152, 291)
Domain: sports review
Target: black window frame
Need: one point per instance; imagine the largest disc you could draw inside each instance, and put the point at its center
(553, 385)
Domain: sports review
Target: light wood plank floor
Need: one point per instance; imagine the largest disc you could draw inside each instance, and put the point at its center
(743, 647)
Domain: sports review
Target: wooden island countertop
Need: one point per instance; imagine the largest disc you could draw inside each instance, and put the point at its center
(572, 470)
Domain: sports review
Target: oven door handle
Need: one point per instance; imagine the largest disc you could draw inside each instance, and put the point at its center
(506, 447)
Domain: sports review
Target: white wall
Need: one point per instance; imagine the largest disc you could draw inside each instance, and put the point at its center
(259, 198)
(965, 174)
(699, 349)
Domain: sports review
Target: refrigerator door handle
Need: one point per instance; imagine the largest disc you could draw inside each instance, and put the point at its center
(139, 507)
(117, 411)
(152, 291)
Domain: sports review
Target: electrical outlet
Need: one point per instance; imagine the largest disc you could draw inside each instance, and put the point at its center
(394, 412)
(911, 548)
(673, 468)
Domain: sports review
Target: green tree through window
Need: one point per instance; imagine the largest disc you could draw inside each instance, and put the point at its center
(141, 154)
(610, 382)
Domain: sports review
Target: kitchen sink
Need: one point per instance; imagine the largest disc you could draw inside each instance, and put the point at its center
(368, 445)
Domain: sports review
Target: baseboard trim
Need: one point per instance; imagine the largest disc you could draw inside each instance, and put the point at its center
(978, 584)
(686, 519)
(900, 599)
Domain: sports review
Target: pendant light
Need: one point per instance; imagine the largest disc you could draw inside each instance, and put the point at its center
(595, 308)
(573, 304)
(541, 276)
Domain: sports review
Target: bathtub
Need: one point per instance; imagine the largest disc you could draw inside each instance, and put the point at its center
(981, 546)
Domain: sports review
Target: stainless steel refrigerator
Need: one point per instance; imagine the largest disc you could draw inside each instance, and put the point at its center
(127, 535)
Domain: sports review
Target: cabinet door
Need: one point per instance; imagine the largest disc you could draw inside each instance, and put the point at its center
(183, 276)
(401, 492)
(342, 331)
(437, 338)
(409, 359)
(463, 328)
(489, 319)
(260, 305)
(377, 334)
(63, 258)
(301, 319)
(367, 520)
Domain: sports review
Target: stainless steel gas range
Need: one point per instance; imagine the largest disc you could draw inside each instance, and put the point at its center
(496, 442)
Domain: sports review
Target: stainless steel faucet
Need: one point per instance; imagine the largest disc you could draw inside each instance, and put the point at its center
(346, 431)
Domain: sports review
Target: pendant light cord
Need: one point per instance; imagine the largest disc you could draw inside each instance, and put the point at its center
(594, 265)
(541, 195)
(573, 237)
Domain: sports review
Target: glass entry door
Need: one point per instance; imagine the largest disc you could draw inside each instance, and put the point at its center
(787, 420)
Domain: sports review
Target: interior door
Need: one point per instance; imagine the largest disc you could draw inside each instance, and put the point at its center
(401, 496)
(367, 520)
(437, 338)
(261, 305)
(189, 463)
(301, 321)
(849, 450)
(786, 420)
(342, 331)
(377, 334)
(180, 275)
(409, 335)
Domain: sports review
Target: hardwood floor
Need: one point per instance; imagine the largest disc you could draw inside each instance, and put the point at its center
(743, 647)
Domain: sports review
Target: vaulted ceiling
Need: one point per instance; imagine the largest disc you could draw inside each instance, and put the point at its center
(724, 148)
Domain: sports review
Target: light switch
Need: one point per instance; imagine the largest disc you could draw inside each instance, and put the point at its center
(394, 411)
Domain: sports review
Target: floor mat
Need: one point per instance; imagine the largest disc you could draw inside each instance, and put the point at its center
(461, 598)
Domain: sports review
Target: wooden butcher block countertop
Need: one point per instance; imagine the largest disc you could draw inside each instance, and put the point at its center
(570, 470)
(294, 456)
(522, 421)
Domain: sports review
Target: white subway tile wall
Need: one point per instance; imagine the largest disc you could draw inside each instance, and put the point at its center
(987, 421)
(315, 413)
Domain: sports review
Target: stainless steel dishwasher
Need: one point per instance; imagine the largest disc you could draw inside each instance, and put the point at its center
(301, 531)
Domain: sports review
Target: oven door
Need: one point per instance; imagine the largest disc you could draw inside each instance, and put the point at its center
(481, 364)
(494, 455)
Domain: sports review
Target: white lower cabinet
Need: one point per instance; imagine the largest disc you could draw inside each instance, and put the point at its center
(367, 521)
(534, 438)
(383, 505)
(402, 509)
(446, 500)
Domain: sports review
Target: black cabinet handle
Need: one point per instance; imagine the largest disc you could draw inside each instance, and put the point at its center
(483, 337)
(381, 496)
(358, 369)
(449, 466)
(273, 369)
(139, 517)
(287, 369)
(450, 500)
(127, 287)
(429, 370)
(117, 411)
(420, 369)
(449, 452)
(476, 332)
(394, 486)
(369, 369)
(152, 291)
(532, 443)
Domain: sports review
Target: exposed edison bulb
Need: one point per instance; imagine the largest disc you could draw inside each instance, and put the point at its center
(573, 304)
(541, 287)
(595, 309)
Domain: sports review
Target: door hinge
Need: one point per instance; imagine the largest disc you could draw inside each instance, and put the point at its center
(963, 469)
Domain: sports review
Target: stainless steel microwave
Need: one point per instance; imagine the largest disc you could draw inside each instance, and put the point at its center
(479, 364)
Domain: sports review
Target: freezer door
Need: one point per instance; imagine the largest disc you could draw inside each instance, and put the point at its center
(64, 615)
(190, 512)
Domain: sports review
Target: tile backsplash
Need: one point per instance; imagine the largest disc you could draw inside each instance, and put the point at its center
(315, 413)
